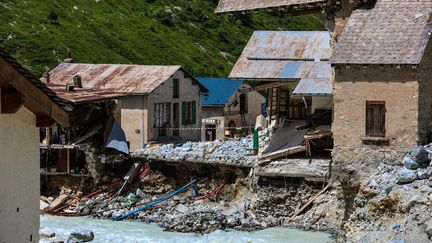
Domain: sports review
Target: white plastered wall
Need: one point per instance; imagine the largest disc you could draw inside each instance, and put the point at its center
(19, 177)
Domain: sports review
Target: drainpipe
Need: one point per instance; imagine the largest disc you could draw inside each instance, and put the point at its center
(142, 122)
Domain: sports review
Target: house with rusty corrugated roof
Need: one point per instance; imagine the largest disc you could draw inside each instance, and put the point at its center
(383, 88)
(292, 68)
(160, 103)
(25, 104)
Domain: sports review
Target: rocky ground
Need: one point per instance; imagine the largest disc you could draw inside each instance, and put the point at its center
(392, 205)
(231, 153)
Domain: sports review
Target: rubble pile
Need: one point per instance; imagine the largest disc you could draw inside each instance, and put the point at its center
(394, 204)
(246, 210)
(232, 153)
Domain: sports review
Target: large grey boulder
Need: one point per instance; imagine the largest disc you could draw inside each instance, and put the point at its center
(420, 155)
(46, 233)
(409, 163)
(424, 173)
(82, 234)
(406, 176)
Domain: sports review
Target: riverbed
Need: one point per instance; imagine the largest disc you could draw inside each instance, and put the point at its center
(108, 231)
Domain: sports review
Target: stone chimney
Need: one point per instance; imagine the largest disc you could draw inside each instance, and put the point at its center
(69, 58)
(77, 81)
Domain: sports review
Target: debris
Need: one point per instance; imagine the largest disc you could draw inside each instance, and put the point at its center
(46, 233)
(83, 234)
(410, 163)
(57, 202)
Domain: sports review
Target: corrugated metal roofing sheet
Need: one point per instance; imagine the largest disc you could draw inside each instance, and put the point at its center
(273, 55)
(220, 90)
(314, 87)
(240, 5)
(134, 79)
(82, 95)
(393, 32)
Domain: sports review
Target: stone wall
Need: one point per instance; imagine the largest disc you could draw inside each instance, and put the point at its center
(398, 87)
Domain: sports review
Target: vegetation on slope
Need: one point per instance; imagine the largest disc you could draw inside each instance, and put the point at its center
(39, 32)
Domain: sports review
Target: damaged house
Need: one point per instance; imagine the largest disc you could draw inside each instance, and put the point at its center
(382, 88)
(25, 104)
(293, 68)
(93, 135)
(161, 102)
(229, 107)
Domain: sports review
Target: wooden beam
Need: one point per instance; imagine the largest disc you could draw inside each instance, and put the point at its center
(11, 101)
(33, 95)
(282, 153)
(44, 121)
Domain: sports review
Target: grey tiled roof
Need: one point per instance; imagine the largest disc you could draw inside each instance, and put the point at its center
(241, 5)
(393, 32)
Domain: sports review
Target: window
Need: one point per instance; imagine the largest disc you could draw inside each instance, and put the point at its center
(375, 118)
(188, 113)
(176, 88)
(162, 117)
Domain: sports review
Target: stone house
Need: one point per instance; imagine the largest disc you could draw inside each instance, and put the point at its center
(161, 102)
(26, 104)
(229, 103)
(382, 88)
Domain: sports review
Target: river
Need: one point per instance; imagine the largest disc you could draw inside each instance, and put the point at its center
(108, 231)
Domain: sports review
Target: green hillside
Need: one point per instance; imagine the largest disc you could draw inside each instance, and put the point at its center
(39, 32)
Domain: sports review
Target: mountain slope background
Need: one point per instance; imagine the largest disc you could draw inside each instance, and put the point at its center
(39, 33)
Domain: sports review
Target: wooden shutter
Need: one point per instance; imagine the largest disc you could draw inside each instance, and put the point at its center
(193, 112)
(375, 118)
(184, 113)
(176, 87)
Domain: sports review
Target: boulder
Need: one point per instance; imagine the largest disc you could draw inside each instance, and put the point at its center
(140, 193)
(46, 233)
(428, 229)
(54, 240)
(420, 155)
(424, 173)
(406, 176)
(82, 234)
(182, 208)
(429, 183)
(409, 163)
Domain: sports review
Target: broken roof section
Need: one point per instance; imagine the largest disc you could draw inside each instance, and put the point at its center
(83, 95)
(241, 5)
(122, 78)
(287, 56)
(220, 90)
(393, 32)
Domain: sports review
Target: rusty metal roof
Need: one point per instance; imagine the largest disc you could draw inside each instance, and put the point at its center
(124, 78)
(284, 55)
(83, 95)
(241, 5)
(314, 87)
(393, 32)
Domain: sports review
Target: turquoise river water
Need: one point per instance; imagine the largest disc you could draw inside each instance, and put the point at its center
(108, 231)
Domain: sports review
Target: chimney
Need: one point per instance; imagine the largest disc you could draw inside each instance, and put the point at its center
(70, 87)
(46, 75)
(69, 59)
(77, 81)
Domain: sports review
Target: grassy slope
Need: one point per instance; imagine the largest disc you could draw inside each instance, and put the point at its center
(185, 32)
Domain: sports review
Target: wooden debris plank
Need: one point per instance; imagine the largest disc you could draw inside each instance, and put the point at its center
(283, 152)
(318, 135)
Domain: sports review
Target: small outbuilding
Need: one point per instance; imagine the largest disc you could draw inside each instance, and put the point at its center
(229, 106)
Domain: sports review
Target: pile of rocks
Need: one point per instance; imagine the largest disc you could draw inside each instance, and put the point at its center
(233, 153)
(417, 165)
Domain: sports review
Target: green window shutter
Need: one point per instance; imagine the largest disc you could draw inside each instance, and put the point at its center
(176, 84)
(184, 113)
(193, 112)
